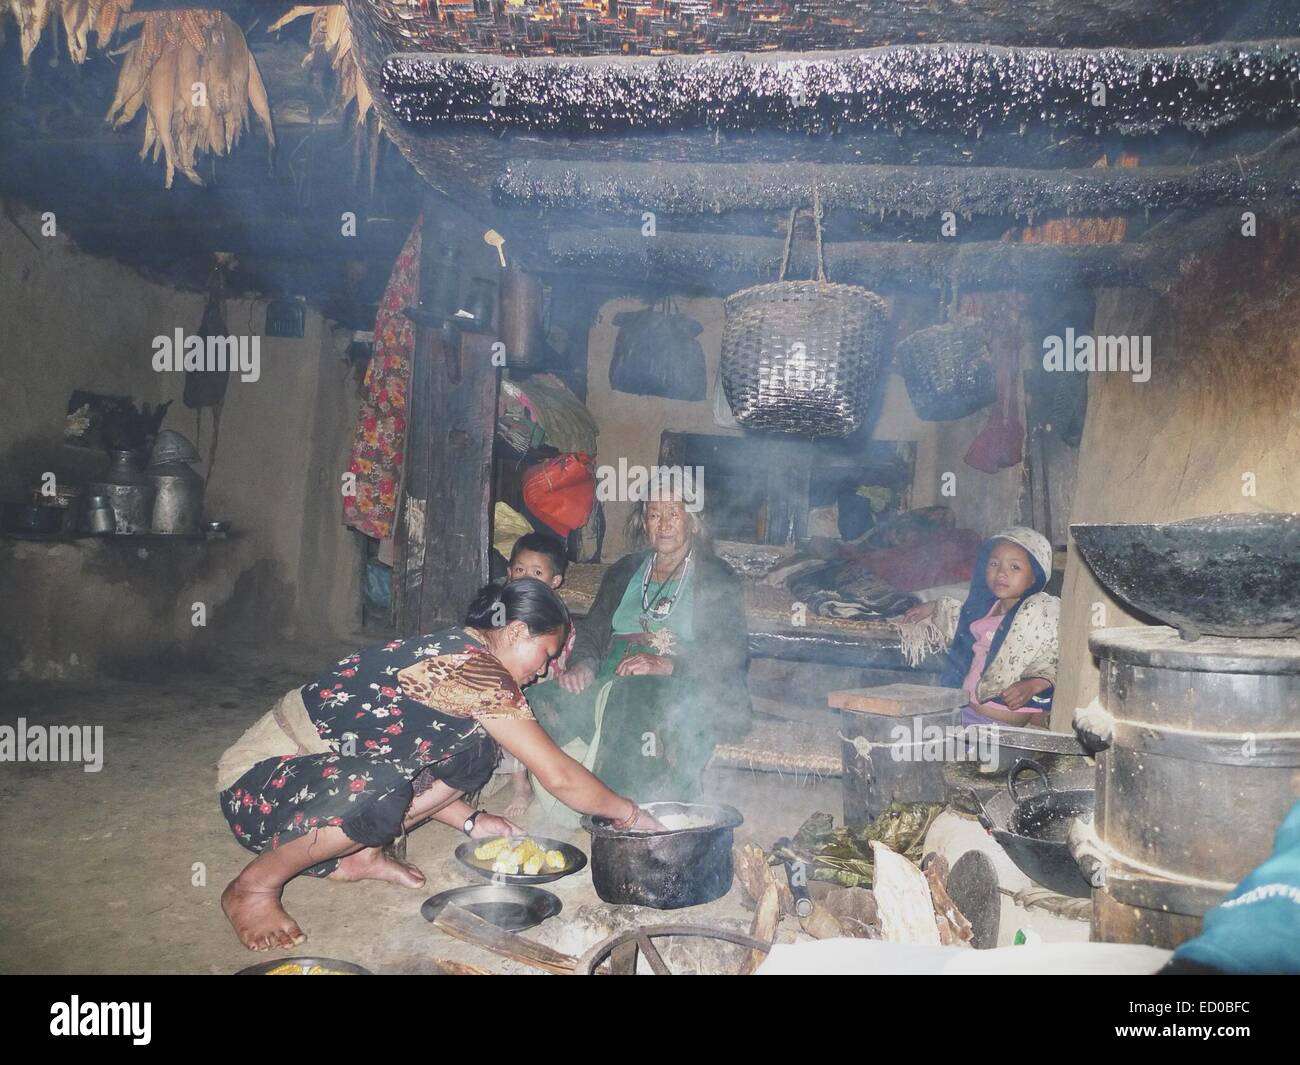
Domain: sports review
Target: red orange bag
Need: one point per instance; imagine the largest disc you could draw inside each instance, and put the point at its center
(561, 491)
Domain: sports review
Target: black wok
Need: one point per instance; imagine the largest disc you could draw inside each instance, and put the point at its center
(1036, 831)
(1225, 575)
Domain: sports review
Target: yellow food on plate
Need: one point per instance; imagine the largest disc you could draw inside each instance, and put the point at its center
(515, 856)
(491, 849)
(291, 969)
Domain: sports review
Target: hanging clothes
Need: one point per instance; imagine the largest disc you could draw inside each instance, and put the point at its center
(379, 441)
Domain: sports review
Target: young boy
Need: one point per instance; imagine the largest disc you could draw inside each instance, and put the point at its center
(542, 557)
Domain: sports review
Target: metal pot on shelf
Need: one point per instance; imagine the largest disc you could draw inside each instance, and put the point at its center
(130, 493)
(178, 490)
(98, 519)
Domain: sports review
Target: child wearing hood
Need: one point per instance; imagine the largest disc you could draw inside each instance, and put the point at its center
(1002, 641)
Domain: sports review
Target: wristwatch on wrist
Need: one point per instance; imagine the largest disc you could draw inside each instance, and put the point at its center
(469, 821)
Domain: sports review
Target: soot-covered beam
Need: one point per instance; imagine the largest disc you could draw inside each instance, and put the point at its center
(684, 189)
(964, 87)
(724, 263)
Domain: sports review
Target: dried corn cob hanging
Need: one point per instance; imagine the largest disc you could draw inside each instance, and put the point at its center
(79, 17)
(194, 75)
(33, 16)
(331, 39)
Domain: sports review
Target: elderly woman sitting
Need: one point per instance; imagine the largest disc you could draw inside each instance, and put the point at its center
(657, 673)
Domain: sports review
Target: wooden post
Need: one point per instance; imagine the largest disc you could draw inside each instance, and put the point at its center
(445, 524)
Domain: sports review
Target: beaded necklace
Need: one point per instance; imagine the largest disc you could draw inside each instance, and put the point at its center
(661, 607)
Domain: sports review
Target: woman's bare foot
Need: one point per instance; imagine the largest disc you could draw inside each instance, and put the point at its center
(373, 864)
(260, 922)
(522, 798)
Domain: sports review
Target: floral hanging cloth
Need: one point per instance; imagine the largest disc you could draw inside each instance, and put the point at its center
(380, 438)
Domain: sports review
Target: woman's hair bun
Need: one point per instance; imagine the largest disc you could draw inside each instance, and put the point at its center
(535, 604)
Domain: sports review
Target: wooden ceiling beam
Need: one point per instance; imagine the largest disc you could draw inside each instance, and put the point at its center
(685, 189)
(726, 263)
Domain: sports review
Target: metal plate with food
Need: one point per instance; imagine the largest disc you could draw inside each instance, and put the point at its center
(304, 967)
(511, 907)
(521, 859)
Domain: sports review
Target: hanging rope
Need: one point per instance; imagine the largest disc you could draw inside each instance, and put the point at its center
(817, 222)
(789, 240)
(817, 214)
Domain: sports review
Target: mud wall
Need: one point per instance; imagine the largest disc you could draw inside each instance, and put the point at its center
(69, 321)
(1213, 431)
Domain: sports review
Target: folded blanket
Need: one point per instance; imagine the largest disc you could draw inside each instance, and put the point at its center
(945, 557)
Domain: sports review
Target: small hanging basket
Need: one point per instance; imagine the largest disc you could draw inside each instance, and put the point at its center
(802, 356)
(948, 369)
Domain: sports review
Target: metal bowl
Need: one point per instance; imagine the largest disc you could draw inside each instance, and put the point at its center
(1232, 575)
(574, 860)
(346, 967)
(512, 907)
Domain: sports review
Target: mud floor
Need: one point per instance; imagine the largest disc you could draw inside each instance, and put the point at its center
(121, 871)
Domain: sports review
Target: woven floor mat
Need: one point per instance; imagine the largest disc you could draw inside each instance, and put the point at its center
(773, 746)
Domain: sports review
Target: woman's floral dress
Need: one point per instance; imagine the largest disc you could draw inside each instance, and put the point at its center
(387, 713)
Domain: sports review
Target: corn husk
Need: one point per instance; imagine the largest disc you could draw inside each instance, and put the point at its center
(194, 75)
(79, 18)
(331, 39)
(32, 17)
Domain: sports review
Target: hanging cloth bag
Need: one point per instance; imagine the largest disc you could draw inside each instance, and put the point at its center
(1001, 443)
(656, 353)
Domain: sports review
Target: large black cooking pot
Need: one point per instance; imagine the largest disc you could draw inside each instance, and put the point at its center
(665, 870)
(1035, 837)
(1224, 575)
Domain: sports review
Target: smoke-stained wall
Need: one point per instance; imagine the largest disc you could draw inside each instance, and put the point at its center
(69, 321)
(1215, 430)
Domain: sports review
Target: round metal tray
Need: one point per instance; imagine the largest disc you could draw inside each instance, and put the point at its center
(264, 967)
(574, 860)
(509, 907)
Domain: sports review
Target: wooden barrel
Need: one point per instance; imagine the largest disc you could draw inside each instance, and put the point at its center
(1204, 764)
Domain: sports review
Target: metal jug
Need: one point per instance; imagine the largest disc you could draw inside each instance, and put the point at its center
(129, 492)
(178, 500)
(98, 519)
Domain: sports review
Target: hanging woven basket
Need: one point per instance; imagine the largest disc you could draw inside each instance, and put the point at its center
(948, 369)
(802, 356)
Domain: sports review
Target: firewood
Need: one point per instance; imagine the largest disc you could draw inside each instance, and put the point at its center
(754, 874)
(766, 919)
(954, 929)
(821, 923)
(856, 910)
(459, 968)
(903, 897)
(465, 926)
